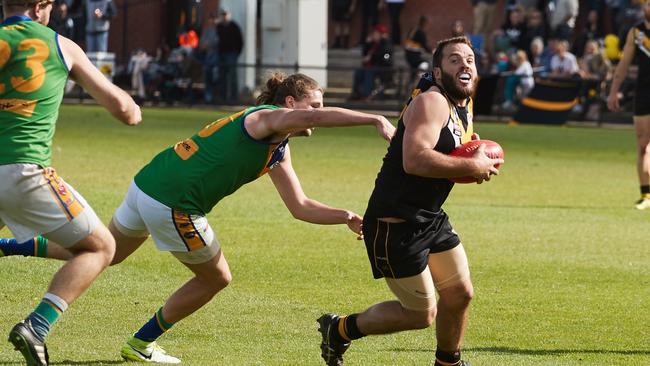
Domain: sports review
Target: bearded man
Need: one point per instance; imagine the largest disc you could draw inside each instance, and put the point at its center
(409, 239)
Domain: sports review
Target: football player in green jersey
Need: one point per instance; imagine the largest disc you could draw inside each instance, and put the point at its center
(35, 63)
(170, 197)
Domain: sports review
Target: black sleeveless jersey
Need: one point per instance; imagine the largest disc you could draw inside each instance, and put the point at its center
(410, 197)
(642, 42)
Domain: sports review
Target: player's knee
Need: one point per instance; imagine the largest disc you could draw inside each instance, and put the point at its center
(458, 296)
(421, 319)
(218, 281)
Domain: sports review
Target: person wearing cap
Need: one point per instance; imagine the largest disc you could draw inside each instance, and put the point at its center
(377, 56)
(34, 200)
(231, 44)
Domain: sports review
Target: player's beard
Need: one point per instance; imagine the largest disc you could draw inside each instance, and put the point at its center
(453, 88)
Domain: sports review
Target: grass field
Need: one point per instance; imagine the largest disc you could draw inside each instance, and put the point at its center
(559, 257)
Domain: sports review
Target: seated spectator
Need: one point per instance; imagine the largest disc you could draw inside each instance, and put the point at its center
(377, 57)
(511, 34)
(564, 63)
(594, 65)
(520, 82)
(596, 71)
(536, 53)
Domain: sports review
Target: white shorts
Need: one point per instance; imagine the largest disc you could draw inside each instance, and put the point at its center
(36, 201)
(189, 237)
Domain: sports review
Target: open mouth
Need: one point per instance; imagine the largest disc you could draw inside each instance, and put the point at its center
(465, 78)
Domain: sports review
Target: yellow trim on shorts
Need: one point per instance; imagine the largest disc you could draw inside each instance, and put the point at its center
(386, 249)
(187, 231)
(69, 204)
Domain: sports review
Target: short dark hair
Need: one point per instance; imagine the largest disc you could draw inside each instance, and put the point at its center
(437, 53)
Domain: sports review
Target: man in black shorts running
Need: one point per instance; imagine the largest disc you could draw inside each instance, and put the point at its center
(637, 45)
(409, 239)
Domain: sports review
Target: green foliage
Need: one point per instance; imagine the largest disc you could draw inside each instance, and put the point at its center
(558, 254)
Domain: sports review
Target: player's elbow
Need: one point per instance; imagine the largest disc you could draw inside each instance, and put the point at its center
(410, 165)
(127, 111)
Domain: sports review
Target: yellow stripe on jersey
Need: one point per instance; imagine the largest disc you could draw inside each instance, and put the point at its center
(216, 125)
(268, 160)
(187, 231)
(66, 200)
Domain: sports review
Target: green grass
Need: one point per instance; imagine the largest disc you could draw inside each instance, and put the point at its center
(559, 257)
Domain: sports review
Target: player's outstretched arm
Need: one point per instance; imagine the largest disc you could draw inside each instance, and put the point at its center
(304, 208)
(284, 121)
(423, 120)
(621, 72)
(114, 99)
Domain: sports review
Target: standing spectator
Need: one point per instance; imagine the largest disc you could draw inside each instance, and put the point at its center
(535, 28)
(415, 47)
(60, 21)
(210, 47)
(564, 63)
(230, 46)
(592, 30)
(562, 17)
(342, 11)
(99, 14)
(483, 16)
(629, 16)
(377, 54)
(369, 17)
(457, 29)
(137, 67)
(394, 11)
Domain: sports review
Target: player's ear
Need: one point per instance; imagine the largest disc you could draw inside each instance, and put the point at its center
(437, 73)
(289, 101)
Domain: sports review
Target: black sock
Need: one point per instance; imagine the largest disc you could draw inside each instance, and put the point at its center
(347, 330)
(645, 190)
(447, 358)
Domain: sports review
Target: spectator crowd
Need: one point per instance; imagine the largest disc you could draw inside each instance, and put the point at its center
(537, 39)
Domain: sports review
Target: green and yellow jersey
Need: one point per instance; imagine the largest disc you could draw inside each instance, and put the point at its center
(32, 80)
(195, 174)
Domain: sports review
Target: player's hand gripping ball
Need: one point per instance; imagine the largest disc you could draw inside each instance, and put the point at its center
(492, 150)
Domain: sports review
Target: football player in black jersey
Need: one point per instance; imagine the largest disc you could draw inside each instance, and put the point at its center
(409, 239)
(638, 45)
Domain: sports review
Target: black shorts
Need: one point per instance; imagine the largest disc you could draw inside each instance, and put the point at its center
(399, 250)
(642, 101)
